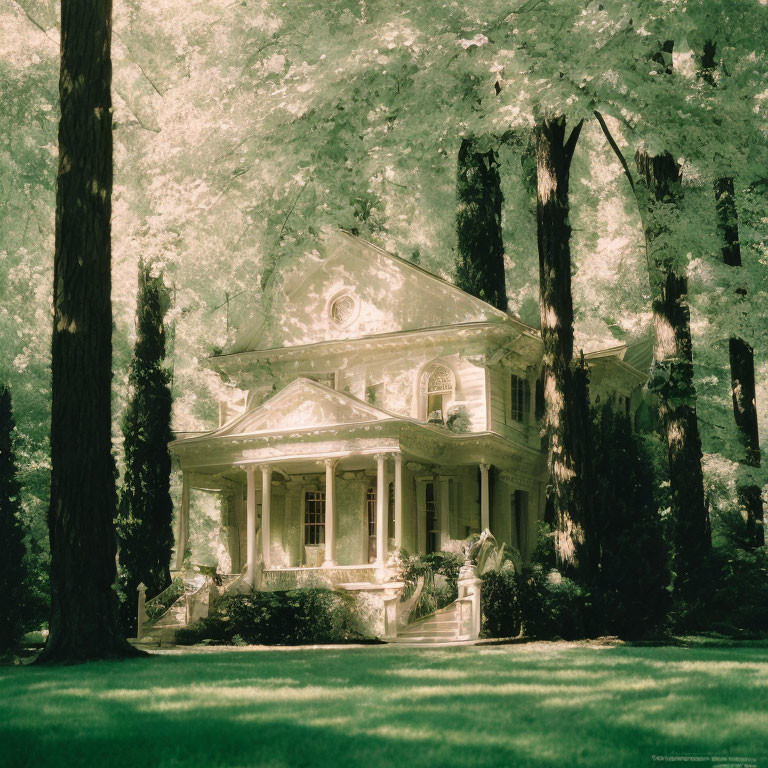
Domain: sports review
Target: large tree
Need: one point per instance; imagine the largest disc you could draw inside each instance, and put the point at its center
(84, 622)
(13, 578)
(566, 414)
(657, 186)
(144, 527)
(741, 355)
(480, 262)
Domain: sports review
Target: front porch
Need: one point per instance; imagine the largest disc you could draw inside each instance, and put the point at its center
(292, 521)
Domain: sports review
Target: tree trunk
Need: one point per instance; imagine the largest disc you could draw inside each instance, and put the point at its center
(741, 354)
(480, 267)
(80, 519)
(566, 416)
(672, 380)
(742, 360)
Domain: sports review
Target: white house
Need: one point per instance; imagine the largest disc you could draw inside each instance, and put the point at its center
(375, 407)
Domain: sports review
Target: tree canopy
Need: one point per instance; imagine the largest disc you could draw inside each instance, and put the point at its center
(245, 131)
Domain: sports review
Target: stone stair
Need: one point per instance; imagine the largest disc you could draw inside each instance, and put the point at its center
(439, 628)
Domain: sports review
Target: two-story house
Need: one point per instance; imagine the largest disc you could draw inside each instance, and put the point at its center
(375, 407)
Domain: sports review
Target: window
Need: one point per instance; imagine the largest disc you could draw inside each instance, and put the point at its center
(518, 398)
(374, 393)
(342, 310)
(370, 509)
(370, 506)
(314, 518)
(520, 521)
(438, 386)
(433, 531)
(391, 511)
(329, 379)
(539, 403)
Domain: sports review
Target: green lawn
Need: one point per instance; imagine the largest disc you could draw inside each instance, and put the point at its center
(540, 704)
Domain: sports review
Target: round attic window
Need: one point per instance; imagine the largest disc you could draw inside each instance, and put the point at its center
(343, 310)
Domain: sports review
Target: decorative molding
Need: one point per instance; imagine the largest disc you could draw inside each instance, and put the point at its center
(520, 482)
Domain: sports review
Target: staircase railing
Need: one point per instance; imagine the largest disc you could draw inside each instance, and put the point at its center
(468, 603)
(194, 594)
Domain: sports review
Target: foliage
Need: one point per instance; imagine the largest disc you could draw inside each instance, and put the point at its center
(439, 572)
(344, 114)
(551, 605)
(296, 617)
(458, 419)
(735, 584)
(480, 258)
(500, 604)
(14, 594)
(144, 532)
(629, 590)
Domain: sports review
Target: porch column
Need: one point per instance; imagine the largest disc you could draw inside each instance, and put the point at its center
(485, 502)
(250, 525)
(266, 508)
(398, 457)
(182, 535)
(381, 516)
(330, 513)
(445, 502)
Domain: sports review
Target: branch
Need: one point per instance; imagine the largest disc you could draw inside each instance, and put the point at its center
(570, 145)
(618, 153)
(141, 123)
(36, 23)
(133, 60)
(615, 148)
(641, 203)
(282, 229)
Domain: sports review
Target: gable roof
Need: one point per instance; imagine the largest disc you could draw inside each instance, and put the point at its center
(303, 404)
(392, 295)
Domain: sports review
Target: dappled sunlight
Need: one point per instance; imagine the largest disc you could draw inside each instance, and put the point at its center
(482, 706)
(438, 674)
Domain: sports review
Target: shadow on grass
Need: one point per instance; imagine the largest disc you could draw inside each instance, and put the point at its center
(544, 704)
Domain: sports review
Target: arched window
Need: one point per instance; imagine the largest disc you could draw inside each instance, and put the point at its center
(438, 386)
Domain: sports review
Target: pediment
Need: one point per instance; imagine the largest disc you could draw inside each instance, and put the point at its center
(352, 289)
(303, 404)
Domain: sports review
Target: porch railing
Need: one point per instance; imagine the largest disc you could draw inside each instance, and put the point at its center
(293, 578)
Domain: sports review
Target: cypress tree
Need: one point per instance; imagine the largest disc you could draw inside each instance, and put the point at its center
(145, 535)
(13, 581)
(630, 587)
(480, 264)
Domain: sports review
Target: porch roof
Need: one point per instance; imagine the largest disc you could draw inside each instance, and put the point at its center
(307, 421)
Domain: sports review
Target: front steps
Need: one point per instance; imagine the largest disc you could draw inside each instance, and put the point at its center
(438, 629)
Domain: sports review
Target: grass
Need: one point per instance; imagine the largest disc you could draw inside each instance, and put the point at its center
(539, 704)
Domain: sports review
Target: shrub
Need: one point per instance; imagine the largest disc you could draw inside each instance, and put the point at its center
(500, 604)
(295, 617)
(14, 592)
(737, 590)
(551, 605)
(629, 589)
